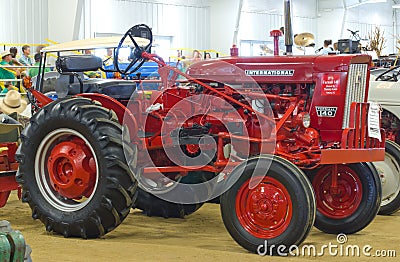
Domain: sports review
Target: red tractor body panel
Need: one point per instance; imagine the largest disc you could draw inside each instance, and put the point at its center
(327, 74)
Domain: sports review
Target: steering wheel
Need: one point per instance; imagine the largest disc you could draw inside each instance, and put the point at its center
(137, 60)
(385, 77)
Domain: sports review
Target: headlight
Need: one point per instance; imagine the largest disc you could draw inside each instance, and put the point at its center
(303, 119)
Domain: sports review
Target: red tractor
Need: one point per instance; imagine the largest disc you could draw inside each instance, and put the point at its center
(285, 141)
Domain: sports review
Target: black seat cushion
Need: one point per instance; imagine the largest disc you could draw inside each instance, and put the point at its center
(118, 89)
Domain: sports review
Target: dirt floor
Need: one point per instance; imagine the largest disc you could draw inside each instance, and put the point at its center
(199, 237)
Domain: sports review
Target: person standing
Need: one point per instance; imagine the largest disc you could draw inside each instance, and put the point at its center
(207, 56)
(327, 47)
(6, 71)
(35, 70)
(25, 59)
(14, 51)
(39, 48)
(196, 56)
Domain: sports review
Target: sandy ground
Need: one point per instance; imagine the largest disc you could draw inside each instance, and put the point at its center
(199, 237)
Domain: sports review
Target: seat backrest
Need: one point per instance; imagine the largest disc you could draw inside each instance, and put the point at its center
(65, 82)
(78, 63)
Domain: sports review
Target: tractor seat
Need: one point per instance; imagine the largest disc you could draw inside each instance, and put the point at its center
(68, 84)
(118, 89)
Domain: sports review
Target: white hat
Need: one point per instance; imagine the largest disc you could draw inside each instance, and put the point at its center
(4, 53)
(13, 102)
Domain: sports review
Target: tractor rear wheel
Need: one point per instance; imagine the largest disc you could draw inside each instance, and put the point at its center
(279, 210)
(389, 172)
(353, 205)
(152, 205)
(73, 170)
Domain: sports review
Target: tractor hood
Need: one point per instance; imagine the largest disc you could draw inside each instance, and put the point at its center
(282, 69)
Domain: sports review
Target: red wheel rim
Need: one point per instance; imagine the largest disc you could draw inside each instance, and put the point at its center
(345, 201)
(72, 169)
(266, 210)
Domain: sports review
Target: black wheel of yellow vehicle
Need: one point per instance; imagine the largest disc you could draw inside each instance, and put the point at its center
(389, 172)
(353, 204)
(280, 209)
(73, 170)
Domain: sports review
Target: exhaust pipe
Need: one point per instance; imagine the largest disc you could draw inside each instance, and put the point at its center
(288, 28)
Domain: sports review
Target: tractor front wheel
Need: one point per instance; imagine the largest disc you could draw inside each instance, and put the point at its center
(73, 170)
(279, 210)
(352, 204)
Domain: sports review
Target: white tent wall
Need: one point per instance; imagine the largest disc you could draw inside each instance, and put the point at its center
(396, 30)
(62, 18)
(335, 17)
(23, 21)
(223, 15)
(329, 25)
(185, 22)
(368, 16)
(258, 18)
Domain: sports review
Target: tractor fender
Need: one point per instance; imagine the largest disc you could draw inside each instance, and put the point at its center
(125, 117)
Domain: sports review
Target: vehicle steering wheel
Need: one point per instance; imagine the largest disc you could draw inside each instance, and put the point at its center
(385, 77)
(142, 31)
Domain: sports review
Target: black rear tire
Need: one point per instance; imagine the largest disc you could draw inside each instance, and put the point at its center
(354, 206)
(152, 205)
(389, 171)
(250, 215)
(111, 189)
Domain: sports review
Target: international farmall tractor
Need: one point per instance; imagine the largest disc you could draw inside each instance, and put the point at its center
(284, 141)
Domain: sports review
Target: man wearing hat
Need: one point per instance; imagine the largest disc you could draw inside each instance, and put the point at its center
(14, 103)
(7, 72)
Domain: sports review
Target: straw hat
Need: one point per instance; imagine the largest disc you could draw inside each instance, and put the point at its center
(4, 53)
(13, 102)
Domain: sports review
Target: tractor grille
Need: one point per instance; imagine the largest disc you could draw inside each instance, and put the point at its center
(356, 85)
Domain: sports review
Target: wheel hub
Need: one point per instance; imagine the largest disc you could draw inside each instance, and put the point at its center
(72, 169)
(265, 211)
(267, 206)
(192, 149)
(338, 202)
(381, 173)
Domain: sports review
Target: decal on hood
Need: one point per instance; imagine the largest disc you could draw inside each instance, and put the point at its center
(326, 111)
(269, 72)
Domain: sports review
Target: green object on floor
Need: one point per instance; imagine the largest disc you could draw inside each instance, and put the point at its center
(5, 248)
(18, 246)
(13, 247)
